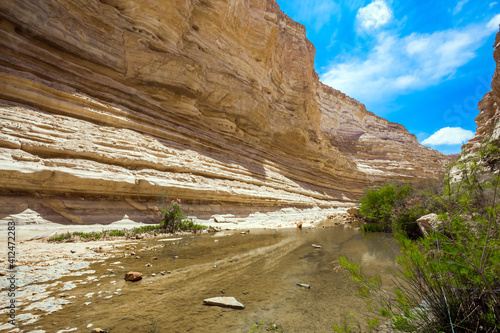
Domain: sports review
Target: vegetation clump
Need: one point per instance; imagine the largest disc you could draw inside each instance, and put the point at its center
(172, 219)
(266, 327)
(448, 280)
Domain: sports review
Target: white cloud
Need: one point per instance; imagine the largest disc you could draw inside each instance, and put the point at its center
(374, 15)
(493, 23)
(459, 6)
(493, 4)
(316, 13)
(449, 136)
(398, 65)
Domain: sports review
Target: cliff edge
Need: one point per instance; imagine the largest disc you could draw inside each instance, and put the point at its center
(107, 104)
(488, 119)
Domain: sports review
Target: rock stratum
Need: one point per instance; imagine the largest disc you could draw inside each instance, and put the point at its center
(488, 119)
(107, 104)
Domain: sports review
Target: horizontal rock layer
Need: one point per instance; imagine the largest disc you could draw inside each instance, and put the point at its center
(488, 119)
(106, 105)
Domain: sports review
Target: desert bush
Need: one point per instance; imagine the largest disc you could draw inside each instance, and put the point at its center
(449, 280)
(173, 219)
(394, 206)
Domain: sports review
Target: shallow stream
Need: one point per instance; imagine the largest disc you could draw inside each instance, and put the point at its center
(260, 269)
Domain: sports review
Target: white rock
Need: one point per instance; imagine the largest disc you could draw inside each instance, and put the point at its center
(230, 302)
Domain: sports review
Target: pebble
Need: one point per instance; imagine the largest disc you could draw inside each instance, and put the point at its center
(98, 330)
(303, 285)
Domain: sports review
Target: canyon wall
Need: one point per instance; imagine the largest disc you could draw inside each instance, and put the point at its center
(488, 119)
(105, 105)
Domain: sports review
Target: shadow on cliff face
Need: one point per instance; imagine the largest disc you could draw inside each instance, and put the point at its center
(105, 86)
(26, 210)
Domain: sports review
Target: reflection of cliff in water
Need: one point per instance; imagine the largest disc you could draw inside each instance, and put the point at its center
(260, 269)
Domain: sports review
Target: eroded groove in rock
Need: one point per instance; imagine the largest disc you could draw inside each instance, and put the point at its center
(111, 103)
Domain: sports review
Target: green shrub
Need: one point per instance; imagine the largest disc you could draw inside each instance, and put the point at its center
(449, 280)
(173, 219)
(393, 206)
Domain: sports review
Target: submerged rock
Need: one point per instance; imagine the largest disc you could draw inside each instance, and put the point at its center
(229, 302)
(303, 285)
(133, 276)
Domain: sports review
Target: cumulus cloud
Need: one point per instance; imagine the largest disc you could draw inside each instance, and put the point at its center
(402, 64)
(449, 136)
(374, 15)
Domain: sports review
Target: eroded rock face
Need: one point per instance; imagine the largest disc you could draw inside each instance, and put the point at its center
(104, 105)
(488, 119)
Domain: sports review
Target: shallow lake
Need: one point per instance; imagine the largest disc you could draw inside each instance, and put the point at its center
(260, 269)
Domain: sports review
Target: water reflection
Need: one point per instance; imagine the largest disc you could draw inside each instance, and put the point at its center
(261, 269)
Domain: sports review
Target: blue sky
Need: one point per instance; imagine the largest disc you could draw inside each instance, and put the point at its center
(423, 64)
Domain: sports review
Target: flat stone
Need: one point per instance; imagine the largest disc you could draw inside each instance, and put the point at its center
(229, 302)
(303, 285)
(316, 246)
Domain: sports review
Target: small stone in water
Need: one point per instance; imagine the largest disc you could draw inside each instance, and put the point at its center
(304, 285)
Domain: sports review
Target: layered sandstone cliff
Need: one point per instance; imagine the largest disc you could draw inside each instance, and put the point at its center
(488, 119)
(106, 104)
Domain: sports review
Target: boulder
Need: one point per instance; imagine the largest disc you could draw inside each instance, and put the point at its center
(428, 222)
(133, 276)
(228, 302)
(354, 212)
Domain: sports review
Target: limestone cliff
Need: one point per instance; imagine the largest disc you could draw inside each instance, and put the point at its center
(488, 119)
(105, 104)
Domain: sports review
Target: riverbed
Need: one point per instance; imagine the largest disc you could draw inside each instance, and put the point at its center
(260, 268)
